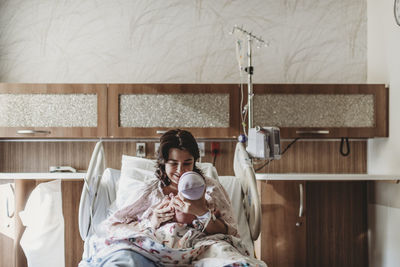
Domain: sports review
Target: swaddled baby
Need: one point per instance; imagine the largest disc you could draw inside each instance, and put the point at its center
(191, 185)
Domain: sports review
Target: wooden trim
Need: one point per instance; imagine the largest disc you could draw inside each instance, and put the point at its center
(381, 107)
(102, 109)
(73, 244)
(382, 114)
(336, 89)
(60, 132)
(117, 89)
(23, 189)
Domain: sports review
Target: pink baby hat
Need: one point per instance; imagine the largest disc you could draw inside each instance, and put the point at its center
(191, 185)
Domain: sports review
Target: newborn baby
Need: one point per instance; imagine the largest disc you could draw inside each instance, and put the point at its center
(191, 185)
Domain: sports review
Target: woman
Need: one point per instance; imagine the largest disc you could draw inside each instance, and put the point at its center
(146, 232)
(178, 153)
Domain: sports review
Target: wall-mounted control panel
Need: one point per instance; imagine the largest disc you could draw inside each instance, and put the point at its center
(202, 149)
(141, 150)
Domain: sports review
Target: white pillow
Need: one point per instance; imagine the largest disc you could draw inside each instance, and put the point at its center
(135, 172)
(136, 162)
(129, 162)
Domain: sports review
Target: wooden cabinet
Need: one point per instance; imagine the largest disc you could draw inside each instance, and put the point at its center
(323, 110)
(331, 230)
(147, 110)
(73, 244)
(53, 110)
(207, 110)
(7, 224)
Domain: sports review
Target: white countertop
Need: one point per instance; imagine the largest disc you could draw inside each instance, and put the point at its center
(259, 176)
(45, 175)
(326, 177)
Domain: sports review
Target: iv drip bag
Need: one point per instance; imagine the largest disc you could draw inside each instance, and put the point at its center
(241, 53)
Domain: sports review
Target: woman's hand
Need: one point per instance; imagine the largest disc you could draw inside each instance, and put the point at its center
(196, 207)
(199, 207)
(162, 212)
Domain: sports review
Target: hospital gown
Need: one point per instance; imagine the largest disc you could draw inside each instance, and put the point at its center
(172, 243)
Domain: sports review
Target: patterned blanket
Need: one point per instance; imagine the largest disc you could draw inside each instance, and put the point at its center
(173, 244)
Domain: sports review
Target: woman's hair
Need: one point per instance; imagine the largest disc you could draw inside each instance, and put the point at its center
(180, 139)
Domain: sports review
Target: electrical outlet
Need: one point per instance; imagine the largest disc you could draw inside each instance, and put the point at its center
(156, 147)
(141, 150)
(202, 149)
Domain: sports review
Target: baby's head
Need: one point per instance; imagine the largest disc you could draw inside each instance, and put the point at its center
(191, 185)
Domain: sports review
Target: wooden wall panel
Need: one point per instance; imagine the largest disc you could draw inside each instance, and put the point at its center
(319, 157)
(6, 251)
(303, 157)
(39, 156)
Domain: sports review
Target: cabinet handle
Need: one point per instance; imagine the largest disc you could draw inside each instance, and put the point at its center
(313, 132)
(10, 215)
(301, 200)
(160, 132)
(32, 132)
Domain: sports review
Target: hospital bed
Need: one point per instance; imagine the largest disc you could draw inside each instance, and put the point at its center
(102, 191)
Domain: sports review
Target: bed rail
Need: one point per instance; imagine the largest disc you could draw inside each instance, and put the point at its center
(244, 171)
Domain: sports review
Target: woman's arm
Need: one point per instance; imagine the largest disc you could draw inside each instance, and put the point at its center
(143, 197)
(216, 226)
(219, 200)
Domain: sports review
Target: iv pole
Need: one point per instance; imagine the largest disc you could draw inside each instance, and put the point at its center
(249, 69)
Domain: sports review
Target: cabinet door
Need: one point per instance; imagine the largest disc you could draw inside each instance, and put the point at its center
(7, 221)
(337, 230)
(282, 240)
(323, 110)
(147, 110)
(53, 110)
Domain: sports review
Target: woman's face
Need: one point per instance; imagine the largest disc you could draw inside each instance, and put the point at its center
(179, 162)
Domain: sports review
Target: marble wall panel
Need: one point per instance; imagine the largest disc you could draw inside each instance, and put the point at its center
(178, 110)
(102, 41)
(299, 110)
(48, 110)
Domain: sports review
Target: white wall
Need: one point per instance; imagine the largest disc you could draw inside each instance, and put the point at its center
(384, 154)
(177, 41)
